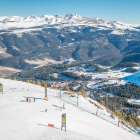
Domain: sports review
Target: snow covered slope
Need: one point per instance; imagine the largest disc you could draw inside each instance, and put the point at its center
(134, 78)
(28, 120)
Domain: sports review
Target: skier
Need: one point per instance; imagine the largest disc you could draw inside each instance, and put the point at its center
(34, 99)
(27, 100)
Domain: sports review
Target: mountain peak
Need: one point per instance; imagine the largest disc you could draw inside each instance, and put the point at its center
(72, 15)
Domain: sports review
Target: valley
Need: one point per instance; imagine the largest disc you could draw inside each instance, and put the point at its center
(113, 85)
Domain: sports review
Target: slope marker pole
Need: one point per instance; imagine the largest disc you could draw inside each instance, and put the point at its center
(46, 97)
(63, 121)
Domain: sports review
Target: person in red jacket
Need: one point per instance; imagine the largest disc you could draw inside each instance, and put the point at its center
(27, 100)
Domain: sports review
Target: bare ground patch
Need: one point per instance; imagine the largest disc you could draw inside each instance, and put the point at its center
(6, 71)
(44, 62)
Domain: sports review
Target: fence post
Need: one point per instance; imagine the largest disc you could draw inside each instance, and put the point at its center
(77, 101)
(63, 105)
(97, 111)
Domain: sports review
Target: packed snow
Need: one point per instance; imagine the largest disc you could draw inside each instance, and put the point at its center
(28, 120)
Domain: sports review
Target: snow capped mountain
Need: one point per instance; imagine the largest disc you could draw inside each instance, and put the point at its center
(13, 19)
(68, 19)
(44, 18)
(66, 31)
(35, 18)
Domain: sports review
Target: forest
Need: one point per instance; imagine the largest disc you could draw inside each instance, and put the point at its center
(129, 90)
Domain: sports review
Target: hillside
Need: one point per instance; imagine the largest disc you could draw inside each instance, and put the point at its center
(27, 42)
(28, 120)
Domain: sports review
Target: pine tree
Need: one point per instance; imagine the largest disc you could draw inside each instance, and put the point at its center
(138, 122)
(82, 91)
(14, 78)
(102, 102)
(27, 81)
(44, 85)
(133, 123)
(124, 116)
(66, 88)
(33, 82)
(30, 81)
(38, 83)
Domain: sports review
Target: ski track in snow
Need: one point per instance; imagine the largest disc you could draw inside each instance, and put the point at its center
(21, 120)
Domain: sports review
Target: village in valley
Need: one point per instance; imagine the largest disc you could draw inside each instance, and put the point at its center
(98, 81)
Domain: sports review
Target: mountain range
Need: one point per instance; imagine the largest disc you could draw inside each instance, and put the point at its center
(32, 41)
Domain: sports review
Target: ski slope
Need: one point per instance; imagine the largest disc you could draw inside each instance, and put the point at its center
(21, 120)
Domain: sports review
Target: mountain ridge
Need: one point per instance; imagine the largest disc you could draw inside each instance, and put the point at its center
(66, 37)
(62, 19)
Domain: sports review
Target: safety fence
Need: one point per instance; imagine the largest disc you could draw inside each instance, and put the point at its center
(99, 112)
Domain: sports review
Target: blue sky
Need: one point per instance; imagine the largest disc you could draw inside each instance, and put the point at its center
(127, 11)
